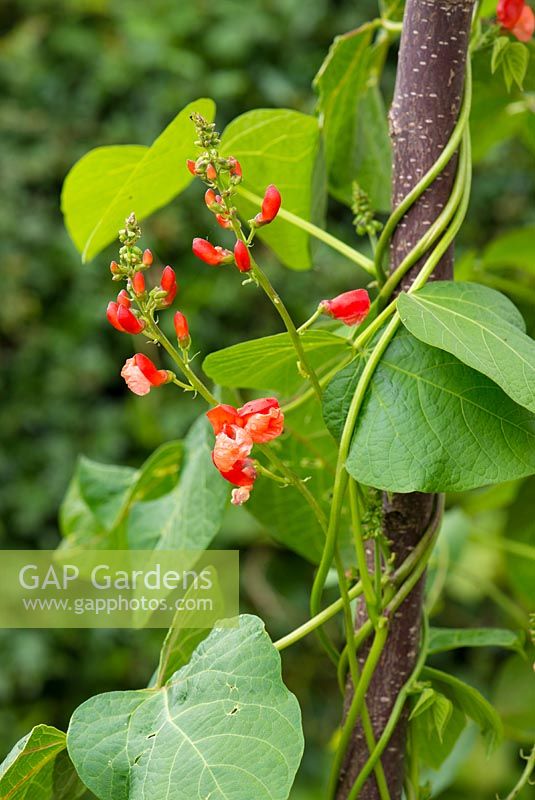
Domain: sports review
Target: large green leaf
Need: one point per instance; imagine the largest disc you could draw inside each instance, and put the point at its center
(100, 496)
(108, 183)
(281, 147)
(353, 117)
(480, 327)
(224, 727)
(443, 639)
(429, 423)
(469, 701)
(190, 516)
(38, 768)
(271, 362)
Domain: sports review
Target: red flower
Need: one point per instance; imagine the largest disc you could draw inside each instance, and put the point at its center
(223, 415)
(206, 251)
(191, 166)
(270, 206)
(517, 17)
(241, 256)
(350, 307)
(138, 283)
(181, 329)
(169, 285)
(141, 374)
(231, 445)
(242, 474)
(263, 419)
(210, 197)
(123, 319)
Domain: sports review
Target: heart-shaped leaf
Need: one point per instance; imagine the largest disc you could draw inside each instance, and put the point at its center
(108, 183)
(224, 727)
(430, 424)
(480, 327)
(281, 147)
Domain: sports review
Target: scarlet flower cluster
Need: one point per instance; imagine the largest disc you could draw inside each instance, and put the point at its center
(516, 16)
(221, 176)
(236, 431)
(139, 372)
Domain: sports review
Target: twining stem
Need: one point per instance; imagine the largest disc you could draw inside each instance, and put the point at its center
(426, 181)
(318, 233)
(393, 720)
(370, 665)
(424, 546)
(370, 595)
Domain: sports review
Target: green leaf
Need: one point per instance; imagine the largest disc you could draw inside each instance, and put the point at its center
(281, 147)
(312, 452)
(470, 702)
(271, 362)
(480, 327)
(353, 117)
(100, 496)
(441, 710)
(498, 52)
(433, 741)
(430, 424)
(515, 64)
(190, 516)
(426, 698)
(443, 639)
(108, 183)
(38, 768)
(223, 726)
(512, 249)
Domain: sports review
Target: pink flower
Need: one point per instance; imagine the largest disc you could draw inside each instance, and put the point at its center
(350, 307)
(233, 444)
(240, 496)
(141, 374)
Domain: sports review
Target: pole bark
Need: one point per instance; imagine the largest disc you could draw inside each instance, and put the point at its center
(427, 98)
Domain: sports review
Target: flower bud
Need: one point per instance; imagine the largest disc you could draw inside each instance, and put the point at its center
(241, 256)
(169, 285)
(211, 172)
(147, 258)
(270, 206)
(206, 251)
(138, 284)
(123, 299)
(128, 320)
(223, 221)
(235, 167)
(141, 374)
(210, 197)
(114, 268)
(350, 307)
(181, 330)
(191, 166)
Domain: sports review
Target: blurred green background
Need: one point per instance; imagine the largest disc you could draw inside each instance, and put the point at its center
(75, 74)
